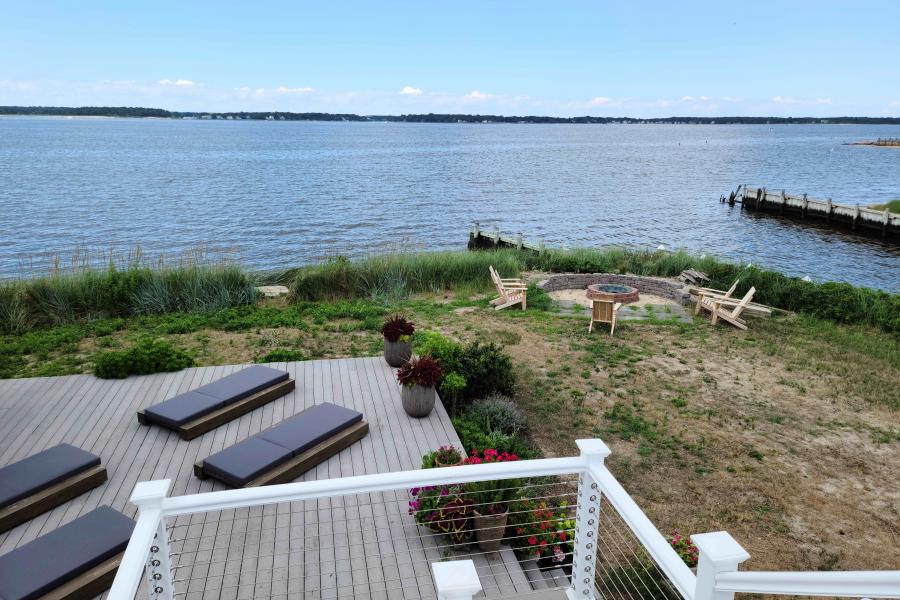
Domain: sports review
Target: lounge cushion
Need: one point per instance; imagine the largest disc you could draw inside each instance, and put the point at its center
(246, 460)
(51, 560)
(186, 407)
(245, 382)
(39, 471)
(182, 408)
(313, 425)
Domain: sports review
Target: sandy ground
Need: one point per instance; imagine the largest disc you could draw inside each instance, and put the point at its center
(579, 297)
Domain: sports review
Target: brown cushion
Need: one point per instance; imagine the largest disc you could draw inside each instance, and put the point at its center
(39, 471)
(53, 559)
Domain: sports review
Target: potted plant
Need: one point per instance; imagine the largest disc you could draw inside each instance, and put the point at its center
(442, 509)
(448, 456)
(544, 532)
(490, 508)
(418, 378)
(397, 333)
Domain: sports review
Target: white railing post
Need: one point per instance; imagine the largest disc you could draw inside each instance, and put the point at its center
(456, 579)
(719, 553)
(587, 522)
(148, 495)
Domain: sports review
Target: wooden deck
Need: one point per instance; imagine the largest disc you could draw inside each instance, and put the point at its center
(364, 546)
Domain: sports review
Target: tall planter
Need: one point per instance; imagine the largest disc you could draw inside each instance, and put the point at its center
(418, 400)
(489, 530)
(397, 353)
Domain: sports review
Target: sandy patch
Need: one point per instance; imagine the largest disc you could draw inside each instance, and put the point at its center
(579, 297)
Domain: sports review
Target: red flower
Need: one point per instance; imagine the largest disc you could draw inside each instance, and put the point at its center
(532, 540)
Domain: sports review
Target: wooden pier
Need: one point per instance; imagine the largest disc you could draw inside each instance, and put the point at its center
(856, 218)
(482, 240)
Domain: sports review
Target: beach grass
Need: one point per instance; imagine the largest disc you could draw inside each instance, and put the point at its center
(91, 295)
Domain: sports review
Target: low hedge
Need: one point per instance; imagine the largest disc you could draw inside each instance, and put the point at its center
(147, 356)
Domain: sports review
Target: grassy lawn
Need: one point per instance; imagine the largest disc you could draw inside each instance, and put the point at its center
(787, 435)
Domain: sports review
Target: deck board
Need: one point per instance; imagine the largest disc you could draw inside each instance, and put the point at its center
(361, 546)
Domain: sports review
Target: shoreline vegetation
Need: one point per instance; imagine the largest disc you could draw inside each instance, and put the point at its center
(159, 113)
(134, 289)
(711, 428)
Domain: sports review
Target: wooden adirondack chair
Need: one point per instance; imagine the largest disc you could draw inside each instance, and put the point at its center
(705, 292)
(604, 311)
(718, 310)
(510, 291)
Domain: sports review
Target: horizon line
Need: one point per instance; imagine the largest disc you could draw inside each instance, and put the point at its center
(144, 112)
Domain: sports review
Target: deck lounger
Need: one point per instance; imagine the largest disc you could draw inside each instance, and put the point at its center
(283, 452)
(198, 411)
(74, 562)
(45, 480)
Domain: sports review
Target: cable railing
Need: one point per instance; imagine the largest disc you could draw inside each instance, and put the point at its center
(571, 532)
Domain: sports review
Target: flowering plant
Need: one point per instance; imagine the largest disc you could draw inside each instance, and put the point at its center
(448, 455)
(442, 509)
(424, 371)
(543, 531)
(491, 497)
(685, 549)
(397, 329)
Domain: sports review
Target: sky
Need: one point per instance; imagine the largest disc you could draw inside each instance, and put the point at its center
(565, 58)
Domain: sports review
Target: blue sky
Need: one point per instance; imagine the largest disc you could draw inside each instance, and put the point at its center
(606, 58)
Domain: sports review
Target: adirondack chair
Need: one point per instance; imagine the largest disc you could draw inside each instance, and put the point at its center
(604, 311)
(510, 291)
(718, 309)
(705, 292)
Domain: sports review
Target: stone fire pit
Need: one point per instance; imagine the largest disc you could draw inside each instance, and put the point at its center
(612, 291)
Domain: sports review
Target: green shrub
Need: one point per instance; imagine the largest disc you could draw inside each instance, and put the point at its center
(472, 371)
(496, 413)
(473, 437)
(147, 356)
(487, 369)
(281, 355)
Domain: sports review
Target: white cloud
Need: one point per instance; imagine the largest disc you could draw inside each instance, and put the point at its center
(476, 96)
(732, 99)
(599, 101)
(409, 90)
(295, 90)
(687, 98)
(784, 100)
(177, 82)
(823, 101)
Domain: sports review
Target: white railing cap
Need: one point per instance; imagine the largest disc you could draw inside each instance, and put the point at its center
(150, 491)
(593, 447)
(456, 577)
(720, 547)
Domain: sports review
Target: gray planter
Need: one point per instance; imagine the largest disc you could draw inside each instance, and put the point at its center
(418, 400)
(397, 353)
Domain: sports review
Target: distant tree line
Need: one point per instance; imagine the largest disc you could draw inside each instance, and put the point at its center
(141, 112)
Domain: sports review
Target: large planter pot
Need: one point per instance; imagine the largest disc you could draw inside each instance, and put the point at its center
(418, 400)
(397, 353)
(438, 463)
(489, 530)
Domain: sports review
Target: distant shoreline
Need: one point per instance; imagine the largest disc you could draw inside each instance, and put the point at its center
(158, 113)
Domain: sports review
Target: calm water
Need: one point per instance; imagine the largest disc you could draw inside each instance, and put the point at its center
(285, 193)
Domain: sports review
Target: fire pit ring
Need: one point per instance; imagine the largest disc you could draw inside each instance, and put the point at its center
(612, 292)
